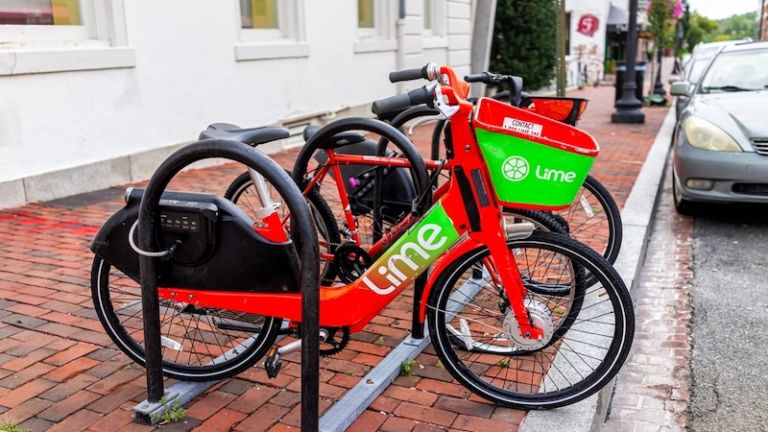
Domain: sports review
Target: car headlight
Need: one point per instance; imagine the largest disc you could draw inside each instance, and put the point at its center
(706, 136)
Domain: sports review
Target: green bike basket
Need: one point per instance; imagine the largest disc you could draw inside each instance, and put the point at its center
(534, 162)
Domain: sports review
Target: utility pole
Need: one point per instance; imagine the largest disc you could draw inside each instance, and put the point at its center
(560, 65)
(482, 38)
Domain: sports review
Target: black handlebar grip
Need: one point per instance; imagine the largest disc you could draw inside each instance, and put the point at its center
(422, 95)
(408, 75)
(393, 103)
(474, 78)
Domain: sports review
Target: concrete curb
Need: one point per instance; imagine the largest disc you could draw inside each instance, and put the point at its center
(589, 414)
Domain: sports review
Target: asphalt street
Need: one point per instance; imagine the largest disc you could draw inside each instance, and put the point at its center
(730, 320)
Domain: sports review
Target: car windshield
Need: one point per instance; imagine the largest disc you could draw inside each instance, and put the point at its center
(697, 68)
(737, 71)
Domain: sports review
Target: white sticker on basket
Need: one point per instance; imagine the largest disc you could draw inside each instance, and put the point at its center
(524, 127)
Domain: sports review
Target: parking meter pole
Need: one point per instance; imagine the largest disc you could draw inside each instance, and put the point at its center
(628, 107)
(151, 310)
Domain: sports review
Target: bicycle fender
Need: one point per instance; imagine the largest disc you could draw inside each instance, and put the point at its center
(466, 245)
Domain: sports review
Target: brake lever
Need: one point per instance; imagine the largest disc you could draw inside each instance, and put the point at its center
(424, 120)
(446, 110)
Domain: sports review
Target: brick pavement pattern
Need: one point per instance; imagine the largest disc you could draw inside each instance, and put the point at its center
(60, 371)
(652, 389)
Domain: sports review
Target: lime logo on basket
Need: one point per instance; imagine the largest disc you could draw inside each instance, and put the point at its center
(515, 168)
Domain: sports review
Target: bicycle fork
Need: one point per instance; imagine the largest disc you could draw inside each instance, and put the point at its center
(503, 271)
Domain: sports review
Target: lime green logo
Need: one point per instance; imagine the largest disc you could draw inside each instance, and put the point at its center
(515, 168)
(412, 254)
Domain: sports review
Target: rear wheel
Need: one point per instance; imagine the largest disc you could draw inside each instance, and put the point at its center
(594, 219)
(584, 347)
(197, 344)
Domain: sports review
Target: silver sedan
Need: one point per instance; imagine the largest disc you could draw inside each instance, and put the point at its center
(720, 150)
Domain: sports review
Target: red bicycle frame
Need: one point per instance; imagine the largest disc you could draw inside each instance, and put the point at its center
(466, 217)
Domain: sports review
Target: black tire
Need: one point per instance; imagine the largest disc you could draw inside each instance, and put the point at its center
(600, 334)
(602, 230)
(241, 192)
(245, 337)
(682, 206)
(543, 221)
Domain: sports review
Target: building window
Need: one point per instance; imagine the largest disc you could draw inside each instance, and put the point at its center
(47, 22)
(271, 29)
(40, 12)
(62, 35)
(365, 14)
(434, 24)
(375, 26)
(259, 14)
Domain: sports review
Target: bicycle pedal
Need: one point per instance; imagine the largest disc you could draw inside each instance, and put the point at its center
(272, 363)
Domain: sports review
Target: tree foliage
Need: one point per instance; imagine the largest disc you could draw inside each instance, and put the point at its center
(700, 28)
(735, 27)
(660, 22)
(524, 41)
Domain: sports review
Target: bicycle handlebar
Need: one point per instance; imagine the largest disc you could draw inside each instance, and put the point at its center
(487, 78)
(409, 74)
(430, 71)
(423, 95)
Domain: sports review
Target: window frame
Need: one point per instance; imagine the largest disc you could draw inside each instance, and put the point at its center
(435, 37)
(287, 41)
(382, 36)
(99, 43)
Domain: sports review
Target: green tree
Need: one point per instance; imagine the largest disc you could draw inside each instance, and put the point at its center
(660, 22)
(735, 27)
(524, 41)
(700, 28)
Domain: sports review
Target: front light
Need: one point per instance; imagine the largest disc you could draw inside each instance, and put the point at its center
(706, 136)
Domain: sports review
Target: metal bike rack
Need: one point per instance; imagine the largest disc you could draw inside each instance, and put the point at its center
(157, 397)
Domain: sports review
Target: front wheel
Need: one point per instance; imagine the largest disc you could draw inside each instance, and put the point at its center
(586, 346)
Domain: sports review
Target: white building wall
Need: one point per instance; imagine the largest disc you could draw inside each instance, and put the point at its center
(587, 51)
(186, 76)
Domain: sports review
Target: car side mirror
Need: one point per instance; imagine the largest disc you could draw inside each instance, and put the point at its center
(680, 88)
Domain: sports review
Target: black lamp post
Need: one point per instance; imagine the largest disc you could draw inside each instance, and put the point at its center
(628, 107)
(679, 33)
(658, 86)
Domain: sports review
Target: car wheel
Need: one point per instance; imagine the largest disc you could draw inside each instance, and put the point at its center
(682, 206)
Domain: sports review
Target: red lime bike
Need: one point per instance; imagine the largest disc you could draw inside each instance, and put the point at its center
(494, 327)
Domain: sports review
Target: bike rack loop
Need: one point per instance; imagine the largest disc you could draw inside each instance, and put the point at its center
(308, 253)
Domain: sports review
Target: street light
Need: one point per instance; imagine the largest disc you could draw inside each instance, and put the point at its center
(658, 86)
(628, 107)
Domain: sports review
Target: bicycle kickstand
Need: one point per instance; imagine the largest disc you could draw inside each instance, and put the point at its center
(272, 363)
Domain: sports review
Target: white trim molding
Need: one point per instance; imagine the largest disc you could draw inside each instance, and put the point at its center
(32, 61)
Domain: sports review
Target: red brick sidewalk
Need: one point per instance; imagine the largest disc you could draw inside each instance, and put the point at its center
(59, 371)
